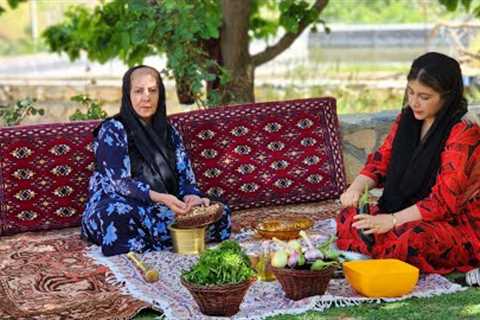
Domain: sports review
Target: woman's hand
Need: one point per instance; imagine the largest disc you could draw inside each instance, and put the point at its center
(194, 200)
(172, 202)
(379, 223)
(350, 198)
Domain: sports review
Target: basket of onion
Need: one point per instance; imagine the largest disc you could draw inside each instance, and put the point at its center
(304, 271)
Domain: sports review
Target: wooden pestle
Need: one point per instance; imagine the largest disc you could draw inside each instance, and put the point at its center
(148, 273)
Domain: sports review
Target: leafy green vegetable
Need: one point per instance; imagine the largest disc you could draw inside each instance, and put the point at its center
(364, 198)
(328, 252)
(320, 265)
(225, 264)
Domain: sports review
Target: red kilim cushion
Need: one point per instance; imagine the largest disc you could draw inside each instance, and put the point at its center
(44, 174)
(266, 153)
(250, 155)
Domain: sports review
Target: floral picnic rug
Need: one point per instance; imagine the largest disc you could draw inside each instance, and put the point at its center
(46, 275)
(262, 299)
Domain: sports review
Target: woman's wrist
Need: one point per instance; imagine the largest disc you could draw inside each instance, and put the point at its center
(157, 196)
(355, 188)
(407, 215)
(151, 194)
(359, 183)
(394, 221)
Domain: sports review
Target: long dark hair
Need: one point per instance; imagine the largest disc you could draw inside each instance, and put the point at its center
(415, 162)
(442, 74)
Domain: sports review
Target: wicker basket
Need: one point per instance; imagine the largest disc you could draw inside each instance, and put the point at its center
(200, 216)
(299, 284)
(219, 300)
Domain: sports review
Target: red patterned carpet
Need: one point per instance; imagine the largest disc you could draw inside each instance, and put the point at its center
(44, 276)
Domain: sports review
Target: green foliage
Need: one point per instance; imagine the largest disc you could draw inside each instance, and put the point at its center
(94, 109)
(269, 16)
(21, 46)
(294, 11)
(384, 11)
(226, 264)
(472, 93)
(13, 4)
(350, 98)
(452, 5)
(133, 30)
(263, 25)
(467, 5)
(13, 115)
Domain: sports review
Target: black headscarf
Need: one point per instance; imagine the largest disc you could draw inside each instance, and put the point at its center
(415, 162)
(150, 149)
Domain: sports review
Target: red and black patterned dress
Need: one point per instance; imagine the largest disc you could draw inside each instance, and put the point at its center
(448, 236)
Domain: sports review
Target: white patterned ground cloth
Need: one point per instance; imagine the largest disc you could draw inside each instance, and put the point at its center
(262, 299)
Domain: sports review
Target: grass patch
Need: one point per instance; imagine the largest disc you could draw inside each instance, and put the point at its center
(460, 305)
(350, 99)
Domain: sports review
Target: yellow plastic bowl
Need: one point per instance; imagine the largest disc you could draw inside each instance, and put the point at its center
(381, 277)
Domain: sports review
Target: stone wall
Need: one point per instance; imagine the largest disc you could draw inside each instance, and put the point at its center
(364, 133)
(55, 98)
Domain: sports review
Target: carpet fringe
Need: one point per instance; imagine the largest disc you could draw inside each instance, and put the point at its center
(327, 302)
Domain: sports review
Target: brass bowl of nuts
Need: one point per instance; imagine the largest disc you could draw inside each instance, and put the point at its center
(200, 216)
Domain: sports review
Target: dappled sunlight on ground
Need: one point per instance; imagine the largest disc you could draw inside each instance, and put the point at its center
(471, 310)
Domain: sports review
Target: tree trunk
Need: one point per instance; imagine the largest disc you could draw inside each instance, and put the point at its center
(212, 48)
(184, 91)
(234, 43)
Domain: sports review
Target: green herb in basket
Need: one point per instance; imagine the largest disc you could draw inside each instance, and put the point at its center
(225, 264)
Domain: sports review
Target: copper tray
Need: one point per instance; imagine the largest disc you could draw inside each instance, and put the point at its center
(284, 228)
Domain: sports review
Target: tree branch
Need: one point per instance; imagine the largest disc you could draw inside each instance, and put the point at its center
(288, 38)
(453, 30)
(461, 48)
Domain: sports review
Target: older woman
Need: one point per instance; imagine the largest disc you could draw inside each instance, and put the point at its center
(143, 177)
(429, 166)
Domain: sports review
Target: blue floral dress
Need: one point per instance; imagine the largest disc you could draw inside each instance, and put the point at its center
(119, 216)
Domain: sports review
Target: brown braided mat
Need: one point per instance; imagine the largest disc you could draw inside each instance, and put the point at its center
(45, 275)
